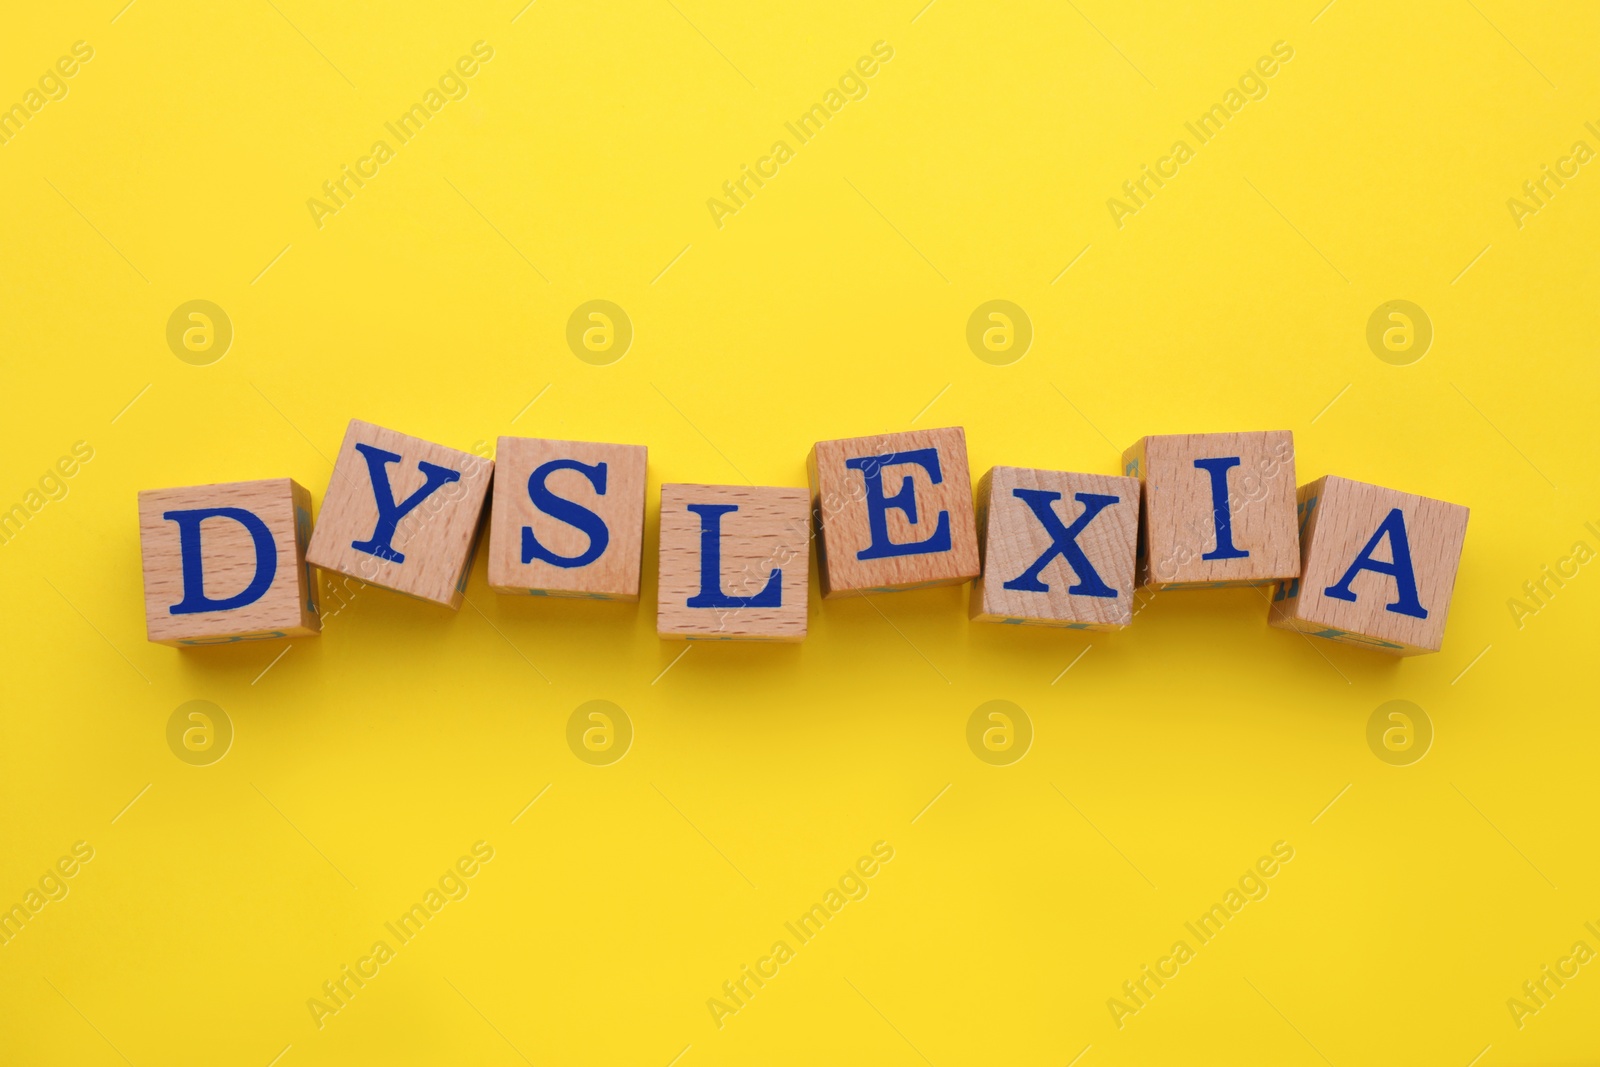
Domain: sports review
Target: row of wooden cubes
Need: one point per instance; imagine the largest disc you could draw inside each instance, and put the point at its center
(1350, 561)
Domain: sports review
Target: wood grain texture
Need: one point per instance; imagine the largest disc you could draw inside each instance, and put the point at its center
(436, 537)
(1338, 520)
(840, 511)
(1013, 538)
(769, 531)
(288, 608)
(1178, 527)
(614, 574)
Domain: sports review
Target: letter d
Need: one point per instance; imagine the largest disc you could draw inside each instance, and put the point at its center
(194, 578)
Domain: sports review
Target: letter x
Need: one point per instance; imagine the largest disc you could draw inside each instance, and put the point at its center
(1063, 542)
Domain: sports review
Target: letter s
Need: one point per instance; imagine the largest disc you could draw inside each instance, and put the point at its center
(573, 514)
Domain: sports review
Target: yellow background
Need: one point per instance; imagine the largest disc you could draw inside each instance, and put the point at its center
(1164, 762)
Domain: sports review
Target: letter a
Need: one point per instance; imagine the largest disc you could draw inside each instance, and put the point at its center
(318, 210)
(719, 209)
(1518, 610)
(1405, 577)
(320, 1011)
(719, 1010)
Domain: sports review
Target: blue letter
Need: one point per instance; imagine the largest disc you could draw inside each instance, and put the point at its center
(390, 513)
(878, 505)
(711, 594)
(194, 577)
(1063, 542)
(1405, 579)
(1220, 513)
(568, 512)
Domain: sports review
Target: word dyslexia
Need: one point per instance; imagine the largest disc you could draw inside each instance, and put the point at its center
(1351, 562)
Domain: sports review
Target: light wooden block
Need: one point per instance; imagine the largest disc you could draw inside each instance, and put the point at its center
(755, 588)
(1185, 539)
(227, 562)
(1343, 525)
(1094, 592)
(433, 499)
(567, 518)
(893, 511)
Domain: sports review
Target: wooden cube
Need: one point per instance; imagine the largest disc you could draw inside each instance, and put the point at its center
(917, 530)
(1057, 549)
(1218, 509)
(402, 513)
(1380, 567)
(734, 563)
(226, 563)
(567, 519)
